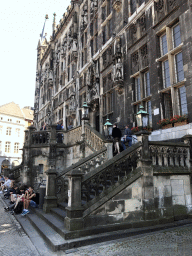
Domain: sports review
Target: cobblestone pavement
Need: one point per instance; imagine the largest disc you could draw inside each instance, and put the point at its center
(172, 242)
(13, 241)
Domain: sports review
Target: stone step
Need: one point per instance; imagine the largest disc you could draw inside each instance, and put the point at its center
(52, 221)
(54, 240)
(59, 213)
(62, 205)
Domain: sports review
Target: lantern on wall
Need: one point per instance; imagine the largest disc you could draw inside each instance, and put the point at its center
(108, 129)
(142, 117)
(85, 111)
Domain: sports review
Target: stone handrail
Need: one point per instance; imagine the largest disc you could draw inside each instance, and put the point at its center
(94, 139)
(40, 137)
(85, 164)
(170, 154)
(97, 183)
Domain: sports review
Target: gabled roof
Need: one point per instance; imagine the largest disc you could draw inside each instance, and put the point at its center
(11, 109)
(28, 113)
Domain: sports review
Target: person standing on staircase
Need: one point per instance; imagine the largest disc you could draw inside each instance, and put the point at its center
(116, 134)
(127, 137)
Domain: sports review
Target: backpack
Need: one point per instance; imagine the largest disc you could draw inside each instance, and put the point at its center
(19, 208)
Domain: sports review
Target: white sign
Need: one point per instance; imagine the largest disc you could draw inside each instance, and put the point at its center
(156, 111)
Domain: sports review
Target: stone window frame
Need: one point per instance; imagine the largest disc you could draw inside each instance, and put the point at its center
(170, 57)
(7, 147)
(8, 131)
(16, 147)
(106, 22)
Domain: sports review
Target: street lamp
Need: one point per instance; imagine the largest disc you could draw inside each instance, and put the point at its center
(85, 111)
(108, 129)
(142, 117)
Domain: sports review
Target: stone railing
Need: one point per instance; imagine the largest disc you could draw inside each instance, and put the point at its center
(73, 136)
(169, 154)
(40, 137)
(16, 171)
(94, 139)
(85, 166)
(102, 180)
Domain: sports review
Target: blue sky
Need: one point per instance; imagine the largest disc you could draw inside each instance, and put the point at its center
(21, 23)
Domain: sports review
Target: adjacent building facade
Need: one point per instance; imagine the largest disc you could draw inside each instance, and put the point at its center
(13, 122)
(116, 55)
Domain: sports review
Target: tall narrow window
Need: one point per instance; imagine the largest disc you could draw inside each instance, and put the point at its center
(16, 148)
(182, 101)
(0, 146)
(8, 131)
(133, 6)
(137, 89)
(166, 74)
(7, 147)
(176, 35)
(147, 84)
(164, 49)
(1, 129)
(179, 67)
(17, 131)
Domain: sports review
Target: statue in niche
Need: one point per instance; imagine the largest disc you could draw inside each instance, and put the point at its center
(119, 69)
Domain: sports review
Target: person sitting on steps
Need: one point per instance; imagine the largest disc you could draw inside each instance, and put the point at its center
(29, 194)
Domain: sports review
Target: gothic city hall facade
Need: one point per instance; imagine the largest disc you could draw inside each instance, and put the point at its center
(116, 56)
(111, 62)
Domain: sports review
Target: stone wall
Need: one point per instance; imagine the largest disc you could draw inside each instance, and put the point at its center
(171, 201)
(171, 133)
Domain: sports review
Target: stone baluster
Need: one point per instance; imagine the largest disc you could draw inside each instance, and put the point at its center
(165, 159)
(182, 158)
(159, 157)
(74, 219)
(50, 200)
(176, 156)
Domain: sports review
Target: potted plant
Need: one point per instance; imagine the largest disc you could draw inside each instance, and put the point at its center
(165, 123)
(179, 120)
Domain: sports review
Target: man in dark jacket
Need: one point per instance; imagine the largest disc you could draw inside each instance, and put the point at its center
(116, 134)
(127, 137)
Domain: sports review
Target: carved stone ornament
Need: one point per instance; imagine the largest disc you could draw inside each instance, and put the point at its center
(159, 5)
(172, 3)
(117, 5)
(142, 22)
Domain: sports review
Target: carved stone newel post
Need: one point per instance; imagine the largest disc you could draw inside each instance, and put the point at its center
(74, 220)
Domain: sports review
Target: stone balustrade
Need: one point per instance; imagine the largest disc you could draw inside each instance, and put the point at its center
(94, 139)
(169, 154)
(40, 137)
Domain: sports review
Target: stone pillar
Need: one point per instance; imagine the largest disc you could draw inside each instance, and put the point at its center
(109, 146)
(28, 135)
(53, 139)
(50, 200)
(188, 141)
(74, 219)
(145, 165)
